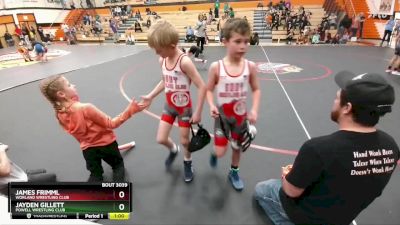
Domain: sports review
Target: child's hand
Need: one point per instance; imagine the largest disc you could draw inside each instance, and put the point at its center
(214, 111)
(196, 118)
(146, 101)
(138, 107)
(252, 117)
(135, 106)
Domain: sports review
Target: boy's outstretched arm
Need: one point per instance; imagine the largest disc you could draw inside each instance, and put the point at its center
(190, 70)
(212, 81)
(146, 99)
(253, 80)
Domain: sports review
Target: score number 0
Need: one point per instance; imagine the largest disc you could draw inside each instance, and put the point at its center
(121, 195)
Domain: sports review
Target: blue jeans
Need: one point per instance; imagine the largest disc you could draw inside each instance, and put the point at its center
(267, 195)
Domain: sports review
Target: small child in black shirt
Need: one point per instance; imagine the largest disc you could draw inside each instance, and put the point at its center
(194, 50)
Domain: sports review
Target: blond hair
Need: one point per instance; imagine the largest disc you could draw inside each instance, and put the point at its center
(49, 88)
(162, 34)
(236, 25)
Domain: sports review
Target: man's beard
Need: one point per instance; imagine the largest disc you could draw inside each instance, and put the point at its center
(335, 115)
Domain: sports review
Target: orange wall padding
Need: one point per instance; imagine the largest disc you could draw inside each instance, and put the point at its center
(6, 19)
(30, 18)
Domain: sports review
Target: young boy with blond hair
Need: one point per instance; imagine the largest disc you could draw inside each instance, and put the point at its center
(178, 72)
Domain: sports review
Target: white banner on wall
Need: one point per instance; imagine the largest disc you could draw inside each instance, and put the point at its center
(31, 3)
(381, 7)
(7, 4)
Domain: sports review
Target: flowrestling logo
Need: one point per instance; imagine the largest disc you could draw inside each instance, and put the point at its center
(279, 68)
(14, 59)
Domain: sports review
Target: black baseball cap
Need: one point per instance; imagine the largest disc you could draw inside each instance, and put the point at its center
(368, 89)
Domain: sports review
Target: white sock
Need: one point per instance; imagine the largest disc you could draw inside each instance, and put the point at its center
(174, 149)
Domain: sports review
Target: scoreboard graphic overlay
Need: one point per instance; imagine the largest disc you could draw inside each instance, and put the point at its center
(70, 200)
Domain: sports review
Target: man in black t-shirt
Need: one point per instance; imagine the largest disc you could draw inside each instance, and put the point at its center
(335, 177)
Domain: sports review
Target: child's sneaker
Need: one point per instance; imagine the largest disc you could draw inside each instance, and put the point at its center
(388, 70)
(235, 180)
(205, 61)
(188, 171)
(127, 146)
(213, 161)
(171, 157)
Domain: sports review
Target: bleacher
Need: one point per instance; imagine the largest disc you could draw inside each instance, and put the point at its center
(317, 14)
(148, 2)
(180, 19)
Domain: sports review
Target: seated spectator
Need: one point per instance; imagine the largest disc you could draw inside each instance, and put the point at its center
(268, 20)
(307, 31)
(194, 51)
(156, 16)
(10, 172)
(148, 11)
(190, 34)
(148, 22)
(23, 50)
(226, 9)
(290, 37)
(231, 13)
(138, 27)
(332, 21)
(18, 32)
(9, 39)
(315, 38)
(345, 38)
(86, 20)
(254, 39)
(321, 31)
(130, 38)
(41, 35)
(302, 39)
(328, 38)
(138, 15)
(32, 33)
(335, 39)
(41, 50)
(97, 27)
(345, 24)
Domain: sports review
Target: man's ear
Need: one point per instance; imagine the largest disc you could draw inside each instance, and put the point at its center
(347, 108)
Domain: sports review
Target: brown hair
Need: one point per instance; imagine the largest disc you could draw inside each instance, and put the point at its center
(49, 88)
(237, 25)
(365, 115)
(162, 34)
